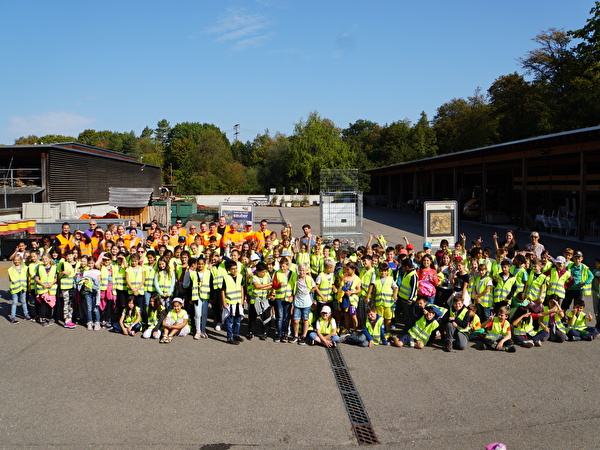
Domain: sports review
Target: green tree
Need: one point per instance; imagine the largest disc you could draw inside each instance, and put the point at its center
(465, 124)
(273, 172)
(316, 144)
(423, 141)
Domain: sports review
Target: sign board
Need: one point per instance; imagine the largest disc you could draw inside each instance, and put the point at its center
(440, 221)
(240, 212)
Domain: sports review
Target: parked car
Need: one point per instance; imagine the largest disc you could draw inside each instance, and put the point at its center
(472, 208)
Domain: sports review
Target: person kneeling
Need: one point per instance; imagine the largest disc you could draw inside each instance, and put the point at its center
(373, 332)
(418, 336)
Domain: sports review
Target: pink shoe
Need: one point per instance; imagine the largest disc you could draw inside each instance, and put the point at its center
(69, 324)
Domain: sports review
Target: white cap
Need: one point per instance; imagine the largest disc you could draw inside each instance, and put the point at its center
(178, 299)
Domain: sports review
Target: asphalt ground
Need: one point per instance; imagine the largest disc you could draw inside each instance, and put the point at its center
(73, 388)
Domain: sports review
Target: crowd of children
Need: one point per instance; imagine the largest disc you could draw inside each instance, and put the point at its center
(303, 290)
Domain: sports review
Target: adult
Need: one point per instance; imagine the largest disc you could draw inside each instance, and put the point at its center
(307, 238)
(191, 235)
(64, 240)
(248, 233)
(232, 236)
(133, 225)
(222, 226)
(212, 231)
(535, 246)
(179, 225)
(509, 243)
(261, 235)
(92, 228)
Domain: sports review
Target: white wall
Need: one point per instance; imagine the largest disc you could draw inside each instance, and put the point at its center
(214, 200)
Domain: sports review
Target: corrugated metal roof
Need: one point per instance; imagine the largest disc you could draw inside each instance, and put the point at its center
(129, 197)
(498, 147)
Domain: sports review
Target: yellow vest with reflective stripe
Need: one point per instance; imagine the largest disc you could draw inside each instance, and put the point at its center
(503, 288)
(534, 286)
(557, 284)
(233, 289)
(119, 277)
(422, 331)
(404, 290)
(18, 279)
(67, 281)
(325, 287)
(375, 330)
(31, 272)
(325, 326)
(137, 276)
(479, 287)
(384, 293)
(498, 330)
(200, 287)
(150, 275)
(46, 277)
(365, 278)
(258, 294)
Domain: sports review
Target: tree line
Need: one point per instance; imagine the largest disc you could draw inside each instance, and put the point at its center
(558, 90)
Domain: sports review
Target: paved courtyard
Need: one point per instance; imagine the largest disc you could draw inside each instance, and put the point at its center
(73, 388)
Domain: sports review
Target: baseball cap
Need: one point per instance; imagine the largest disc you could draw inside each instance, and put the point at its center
(254, 257)
(560, 259)
(177, 299)
(403, 252)
(248, 223)
(427, 245)
(325, 309)
(578, 253)
(410, 247)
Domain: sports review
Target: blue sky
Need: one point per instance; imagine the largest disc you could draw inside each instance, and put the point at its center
(265, 64)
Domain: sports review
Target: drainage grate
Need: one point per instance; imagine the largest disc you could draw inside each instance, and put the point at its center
(361, 424)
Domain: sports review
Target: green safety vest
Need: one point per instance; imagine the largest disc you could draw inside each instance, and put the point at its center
(164, 280)
(233, 289)
(534, 286)
(18, 279)
(461, 316)
(503, 288)
(105, 277)
(119, 277)
(130, 318)
(524, 329)
(137, 276)
(67, 281)
(404, 289)
(150, 275)
(325, 286)
(498, 330)
(579, 324)
(152, 318)
(365, 278)
(31, 272)
(287, 282)
(375, 330)
(556, 284)
(384, 293)
(316, 264)
(302, 257)
(557, 320)
(200, 285)
(479, 287)
(258, 294)
(325, 326)
(46, 277)
(422, 331)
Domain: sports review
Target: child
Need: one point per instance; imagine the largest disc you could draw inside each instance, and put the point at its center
(418, 336)
(326, 330)
(536, 286)
(407, 291)
(367, 277)
(283, 280)
(154, 313)
(135, 278)
(504, 286)
(325, 284)
(130, 321)
(498, 334)
(176, 322)
(551, 321)
(200, 282)
(461, 279)
(475, 329)
(164, 283)
(386, 295)
(348, 295)
(89, 286)
(232, 301)
(374, 332)
(303, 300)
(577, 328)
(17, 276)
(46, 289)
(67, 291)
(259, 303)
(457, 325)
(524, 332)
(482, 292)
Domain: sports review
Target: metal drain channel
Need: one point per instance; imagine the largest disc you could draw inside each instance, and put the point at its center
(361, 424)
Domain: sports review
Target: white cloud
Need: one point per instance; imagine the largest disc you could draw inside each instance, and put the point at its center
(53, 122)
(244, 30)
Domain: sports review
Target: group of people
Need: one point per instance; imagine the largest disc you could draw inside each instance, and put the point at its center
(303, 290)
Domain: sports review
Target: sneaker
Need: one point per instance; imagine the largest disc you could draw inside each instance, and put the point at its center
(448, 348)
(238, 338)
(333, 344)
(204, 335)
(392, 327)
(70, 325)
(250, 336)
(510, 349)
(311, 342)
(527, 344)
(97, 326)
(197, 335)
(51, 322)
(302, 341)
(218, 327)
(537, 343)
(28, 317)
(575, 339)
(282, 340)
(232, 342)
(293, 339)
(263, 337)
(45, 323)
(90, 326)
(14, 320)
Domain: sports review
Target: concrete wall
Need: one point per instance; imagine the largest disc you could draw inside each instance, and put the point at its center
(214, 200)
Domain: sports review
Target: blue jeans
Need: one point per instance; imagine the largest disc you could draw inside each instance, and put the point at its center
(283, 316)
(19, 297)
(91, 306)
(232, 324)
(117, 327)
(200, 314)
(147, 296)
(360, 340)
(335, 338)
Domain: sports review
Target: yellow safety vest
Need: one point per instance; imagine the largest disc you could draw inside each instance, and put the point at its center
(46, 277)
(18, 279)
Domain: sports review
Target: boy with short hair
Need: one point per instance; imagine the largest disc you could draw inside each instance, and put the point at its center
(374, 332)
(232, 301)
(498, 335)
(418, 336)
(386, 294)
(577, 328)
